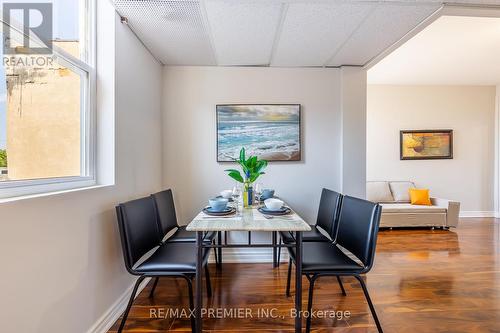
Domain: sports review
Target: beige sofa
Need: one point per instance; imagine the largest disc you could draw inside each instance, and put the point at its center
(398, 212)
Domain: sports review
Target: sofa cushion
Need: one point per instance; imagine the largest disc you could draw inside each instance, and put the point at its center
(420, 197)
(408, 208)
(378, 192)
(400, 191)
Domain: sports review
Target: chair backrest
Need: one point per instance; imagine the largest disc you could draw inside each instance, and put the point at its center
(165, 209)
(358, 228)
(138, 229)
(328, 212)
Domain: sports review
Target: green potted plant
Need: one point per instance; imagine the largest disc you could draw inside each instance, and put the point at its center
(252, 168)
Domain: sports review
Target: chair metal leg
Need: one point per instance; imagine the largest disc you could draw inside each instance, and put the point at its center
(130, 302)
(341, 285)
(207, 280)
(289, 277)
(309, 303)
(216, 255)
(152, 292)
(191, 304)
(370, 304)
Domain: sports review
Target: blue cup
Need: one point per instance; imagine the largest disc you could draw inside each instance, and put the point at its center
(267, 194)
(218, 204)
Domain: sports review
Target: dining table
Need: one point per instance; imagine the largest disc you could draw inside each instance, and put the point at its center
(248, 219)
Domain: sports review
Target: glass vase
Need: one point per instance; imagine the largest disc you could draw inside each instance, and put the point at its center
(247, 195)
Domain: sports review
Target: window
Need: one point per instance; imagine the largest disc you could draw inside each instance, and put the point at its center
(47, 92)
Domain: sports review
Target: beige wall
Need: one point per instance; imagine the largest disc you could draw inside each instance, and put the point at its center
(43, 132)
(61, 255)
(353, 105)
(469, 111)
(43, 122)
(190, 95)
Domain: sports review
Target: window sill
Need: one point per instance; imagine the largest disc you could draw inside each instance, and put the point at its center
(53, 193)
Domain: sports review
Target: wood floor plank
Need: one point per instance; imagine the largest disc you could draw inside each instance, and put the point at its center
(423, 281)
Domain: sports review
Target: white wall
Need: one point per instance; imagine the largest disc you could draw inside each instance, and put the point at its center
(496, 186)
(468, 110)
(61, 255)
(190, 95)
(353, 104)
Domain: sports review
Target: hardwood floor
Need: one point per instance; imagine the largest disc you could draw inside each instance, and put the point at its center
(423, 281)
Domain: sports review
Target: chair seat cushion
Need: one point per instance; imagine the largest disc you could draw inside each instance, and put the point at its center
(172, 257)
(322, 256)
(182, 235)
(309, 236)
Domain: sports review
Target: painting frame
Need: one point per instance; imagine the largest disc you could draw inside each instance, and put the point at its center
(299, 110)
(449, 156)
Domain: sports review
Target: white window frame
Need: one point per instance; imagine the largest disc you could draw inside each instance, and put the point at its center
(87, 71)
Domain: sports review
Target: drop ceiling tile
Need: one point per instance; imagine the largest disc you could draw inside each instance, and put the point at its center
(174, 31)
(312, 32)
(382, 28)
(243, 33)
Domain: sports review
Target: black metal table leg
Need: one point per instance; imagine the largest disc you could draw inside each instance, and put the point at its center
(275, 252)
(199, 271)
(279, 252)
(298, 281)
(219, 250)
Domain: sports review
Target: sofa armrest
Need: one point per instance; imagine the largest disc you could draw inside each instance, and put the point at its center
(452, 210)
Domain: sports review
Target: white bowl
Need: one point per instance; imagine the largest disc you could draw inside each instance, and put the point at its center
(226, 194)
(273, 204)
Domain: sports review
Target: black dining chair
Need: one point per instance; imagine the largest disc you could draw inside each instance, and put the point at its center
(167, 219)
(328, 212)
(140, 234)
(327, 220)
(357, 233)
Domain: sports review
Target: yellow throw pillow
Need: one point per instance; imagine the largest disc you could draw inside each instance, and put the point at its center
(420, 197)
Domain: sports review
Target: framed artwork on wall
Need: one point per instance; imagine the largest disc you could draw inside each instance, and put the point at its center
(269, 131)
(426, 144)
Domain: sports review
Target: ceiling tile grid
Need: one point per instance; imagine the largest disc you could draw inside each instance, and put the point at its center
(386, 25)
(312, 32)
(174, 31)
(281, 33)
(243, 33)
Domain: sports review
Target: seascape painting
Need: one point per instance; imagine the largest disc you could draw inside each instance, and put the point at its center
(271, 132)
(426, 144)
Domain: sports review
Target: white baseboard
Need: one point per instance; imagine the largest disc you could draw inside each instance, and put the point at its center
(248, 255)
(107, 320)
(472, 213)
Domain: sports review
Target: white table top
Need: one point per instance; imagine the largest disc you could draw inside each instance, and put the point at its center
(248, 219)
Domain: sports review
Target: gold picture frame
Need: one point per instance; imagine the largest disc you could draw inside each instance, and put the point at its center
(426, 144)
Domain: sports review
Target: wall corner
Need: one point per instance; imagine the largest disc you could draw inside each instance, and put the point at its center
(496, 194)
(353, 130)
